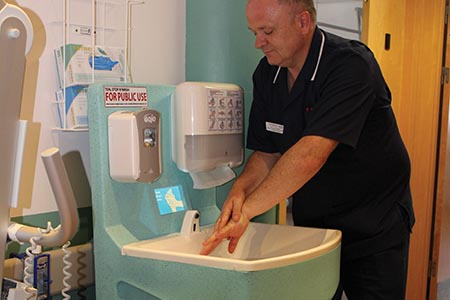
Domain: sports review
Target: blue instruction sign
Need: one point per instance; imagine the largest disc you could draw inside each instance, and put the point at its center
(170, 199)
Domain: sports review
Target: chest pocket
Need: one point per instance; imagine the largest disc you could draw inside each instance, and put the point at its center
(295, 116)
(310, 100)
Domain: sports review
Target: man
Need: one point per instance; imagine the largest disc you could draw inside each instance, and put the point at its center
(322, 130)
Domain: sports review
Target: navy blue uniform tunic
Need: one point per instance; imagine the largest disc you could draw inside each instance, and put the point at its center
(363, 188)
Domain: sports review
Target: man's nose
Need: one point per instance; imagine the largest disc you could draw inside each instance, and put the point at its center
(260, 41)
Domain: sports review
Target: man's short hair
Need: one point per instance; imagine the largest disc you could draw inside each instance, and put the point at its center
(307, 5)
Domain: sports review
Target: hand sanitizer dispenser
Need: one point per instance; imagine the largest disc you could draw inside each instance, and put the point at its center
(134, 145)
(207, 131)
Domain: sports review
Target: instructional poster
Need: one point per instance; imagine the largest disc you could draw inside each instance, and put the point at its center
(225, 112)
(170, 199)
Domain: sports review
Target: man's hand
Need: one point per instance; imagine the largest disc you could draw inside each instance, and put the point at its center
(231, 209)
(234, 219)
(232, 231)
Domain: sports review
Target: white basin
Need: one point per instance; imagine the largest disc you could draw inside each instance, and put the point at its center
(263, 246)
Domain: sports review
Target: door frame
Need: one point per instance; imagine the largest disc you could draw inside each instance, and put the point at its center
(442, 192)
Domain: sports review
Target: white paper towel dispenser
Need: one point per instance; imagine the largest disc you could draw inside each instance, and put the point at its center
(134, 145)
(207, 131)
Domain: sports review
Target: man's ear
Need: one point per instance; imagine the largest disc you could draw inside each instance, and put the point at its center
(304, 20)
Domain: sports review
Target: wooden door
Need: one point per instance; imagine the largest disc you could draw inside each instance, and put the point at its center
(411, 64)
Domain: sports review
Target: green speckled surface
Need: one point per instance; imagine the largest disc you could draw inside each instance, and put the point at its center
(127, 212)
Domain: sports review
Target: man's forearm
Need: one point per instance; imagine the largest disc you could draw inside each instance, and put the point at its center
(294, 168)
(256, 169)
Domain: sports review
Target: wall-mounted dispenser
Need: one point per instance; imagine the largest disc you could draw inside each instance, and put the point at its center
(134, 145)
(207, 131)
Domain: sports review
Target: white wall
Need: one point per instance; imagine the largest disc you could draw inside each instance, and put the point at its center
(157, 56)
(341, 13)
(159, 35)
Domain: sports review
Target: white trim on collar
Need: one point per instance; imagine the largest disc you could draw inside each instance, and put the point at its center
(320, 56)
(276, 75)
(317, 64)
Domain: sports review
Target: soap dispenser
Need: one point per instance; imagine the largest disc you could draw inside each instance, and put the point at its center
(134, 145)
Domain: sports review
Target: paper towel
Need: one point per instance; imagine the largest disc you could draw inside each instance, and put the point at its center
(216, 177)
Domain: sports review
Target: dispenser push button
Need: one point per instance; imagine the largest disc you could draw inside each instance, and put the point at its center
(150, 137)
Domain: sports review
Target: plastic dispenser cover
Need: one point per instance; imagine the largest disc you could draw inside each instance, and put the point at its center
(207, 130)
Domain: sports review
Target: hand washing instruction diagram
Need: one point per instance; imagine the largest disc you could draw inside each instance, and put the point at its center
(170, 199)
(225, 111)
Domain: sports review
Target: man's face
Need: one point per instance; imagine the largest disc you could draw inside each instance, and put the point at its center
(276, 31)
